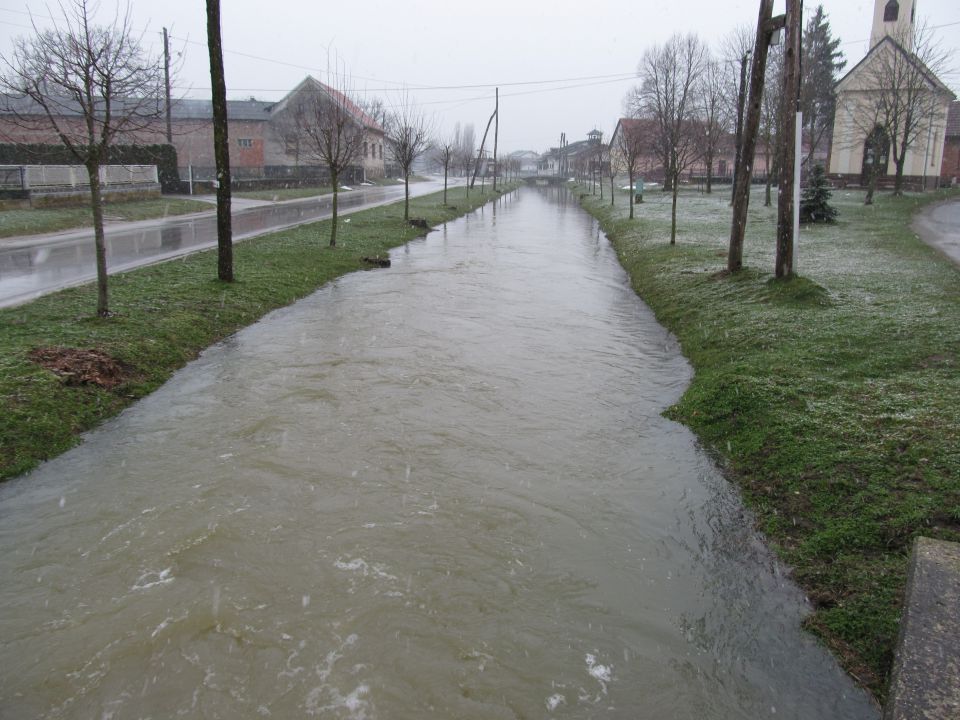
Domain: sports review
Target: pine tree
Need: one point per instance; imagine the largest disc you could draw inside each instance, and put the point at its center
(815, 203)
(822, 62)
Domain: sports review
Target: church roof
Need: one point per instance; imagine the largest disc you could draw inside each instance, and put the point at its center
(894, 46)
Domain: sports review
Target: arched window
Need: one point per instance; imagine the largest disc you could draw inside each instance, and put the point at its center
(892, 11)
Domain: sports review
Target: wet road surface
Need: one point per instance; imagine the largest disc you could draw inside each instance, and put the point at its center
(31, 267)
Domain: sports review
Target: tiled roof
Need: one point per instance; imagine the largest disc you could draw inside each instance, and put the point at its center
(953, 119)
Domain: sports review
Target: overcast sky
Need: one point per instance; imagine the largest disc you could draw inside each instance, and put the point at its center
(561, 66)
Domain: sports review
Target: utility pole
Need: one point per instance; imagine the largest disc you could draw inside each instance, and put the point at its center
(221, 144)
(166, 77)
(741, 101)
(496, 135)
(766, 26)
(789, 124)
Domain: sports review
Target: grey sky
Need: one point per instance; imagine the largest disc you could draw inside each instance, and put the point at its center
(384, 45)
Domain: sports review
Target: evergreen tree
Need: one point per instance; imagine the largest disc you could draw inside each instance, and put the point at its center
(822, 62)
(815, 202)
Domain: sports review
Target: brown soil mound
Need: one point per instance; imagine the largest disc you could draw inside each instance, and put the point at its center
(82, 367)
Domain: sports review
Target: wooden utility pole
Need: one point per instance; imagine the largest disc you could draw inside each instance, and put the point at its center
(496, 136)
(786, 202)
(166, 78)
(221, 144)
(766, 26)
(741, 102)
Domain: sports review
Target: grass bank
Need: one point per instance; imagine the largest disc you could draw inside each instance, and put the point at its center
(165, 315)
(48, 220)
(832, 399)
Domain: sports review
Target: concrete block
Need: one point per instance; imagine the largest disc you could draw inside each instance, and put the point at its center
(926, 676)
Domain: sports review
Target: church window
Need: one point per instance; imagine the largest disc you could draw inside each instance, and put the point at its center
(892, 11)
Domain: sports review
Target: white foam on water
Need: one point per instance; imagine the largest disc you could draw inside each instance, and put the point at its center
(555, 701)
(153, 578)
(603, 674)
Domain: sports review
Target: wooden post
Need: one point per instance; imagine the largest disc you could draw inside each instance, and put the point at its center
(766, 25)
(496, 135)
(787, 141)
(741, 102)
(221, 144)
(166, 77)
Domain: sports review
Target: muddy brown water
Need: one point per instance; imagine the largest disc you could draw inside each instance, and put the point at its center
(442, 490)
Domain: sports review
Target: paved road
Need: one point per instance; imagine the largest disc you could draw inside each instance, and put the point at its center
(939, 226)
(36, 265)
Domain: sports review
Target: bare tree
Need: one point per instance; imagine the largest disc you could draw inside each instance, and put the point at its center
(221, 144)
(90, 84)
(770, 117)
(407, 134)
(713, 114)
(334, 132)
(614, 167)
(669, 74)
(444, 152)
(898, 95)
(736, 48)
(630, 143)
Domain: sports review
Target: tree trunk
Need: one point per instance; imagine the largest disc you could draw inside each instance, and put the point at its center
(898, 179)
(96, 203)
(335, 179)
(871, 185)
(767, 199)
(630, 174)
(445, 184)
(221, 144)
(710, 175)
(673, 216)
(741, 192)
(406, 195)
(612, 195)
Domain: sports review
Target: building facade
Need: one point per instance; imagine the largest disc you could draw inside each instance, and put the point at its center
(888, 96)
(264, 143)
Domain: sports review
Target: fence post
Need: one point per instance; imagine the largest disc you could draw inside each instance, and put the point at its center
(24, 178)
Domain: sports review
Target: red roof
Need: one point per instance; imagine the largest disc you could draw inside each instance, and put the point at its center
(953, 119)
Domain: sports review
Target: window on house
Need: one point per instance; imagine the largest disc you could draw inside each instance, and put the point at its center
(245, 142)
(892, 11)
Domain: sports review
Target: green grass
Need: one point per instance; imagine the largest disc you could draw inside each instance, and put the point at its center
(831, 399)
(48, 220)
(166, 314)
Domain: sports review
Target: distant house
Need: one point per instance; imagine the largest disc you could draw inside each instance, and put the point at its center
(525, 162)
(861, 143)
(650, 164)
(950, 167)
(264, 143)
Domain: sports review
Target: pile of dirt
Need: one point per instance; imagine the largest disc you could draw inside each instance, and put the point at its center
(82, 367)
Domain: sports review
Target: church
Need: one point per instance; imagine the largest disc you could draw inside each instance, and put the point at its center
(891, 117)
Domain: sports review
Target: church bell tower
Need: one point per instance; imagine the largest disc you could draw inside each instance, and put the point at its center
(895, 18)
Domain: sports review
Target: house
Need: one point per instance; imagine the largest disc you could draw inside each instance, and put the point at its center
(649, 164)
(264, 142)
(950, 169)
(872, 112)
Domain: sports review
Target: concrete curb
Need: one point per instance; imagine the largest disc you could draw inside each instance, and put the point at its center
(926, 674)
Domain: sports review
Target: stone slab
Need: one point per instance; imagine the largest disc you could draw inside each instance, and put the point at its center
(926, 675)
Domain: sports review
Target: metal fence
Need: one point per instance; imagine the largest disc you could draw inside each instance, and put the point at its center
(40, 177)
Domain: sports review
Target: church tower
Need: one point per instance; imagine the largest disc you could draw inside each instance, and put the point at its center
(895, 18)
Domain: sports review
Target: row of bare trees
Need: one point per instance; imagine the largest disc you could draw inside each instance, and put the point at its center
(688, 106)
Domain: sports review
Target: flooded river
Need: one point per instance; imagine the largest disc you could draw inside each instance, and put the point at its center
(442, 490)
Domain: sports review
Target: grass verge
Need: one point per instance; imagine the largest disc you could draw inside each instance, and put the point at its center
(165, 315)
(831, 399)
(48, 220)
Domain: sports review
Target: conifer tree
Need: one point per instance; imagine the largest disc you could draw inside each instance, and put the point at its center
(822, 62)
(815, 203)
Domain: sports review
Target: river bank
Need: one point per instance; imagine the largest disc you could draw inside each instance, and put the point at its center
(832, 400)
(165, 315)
